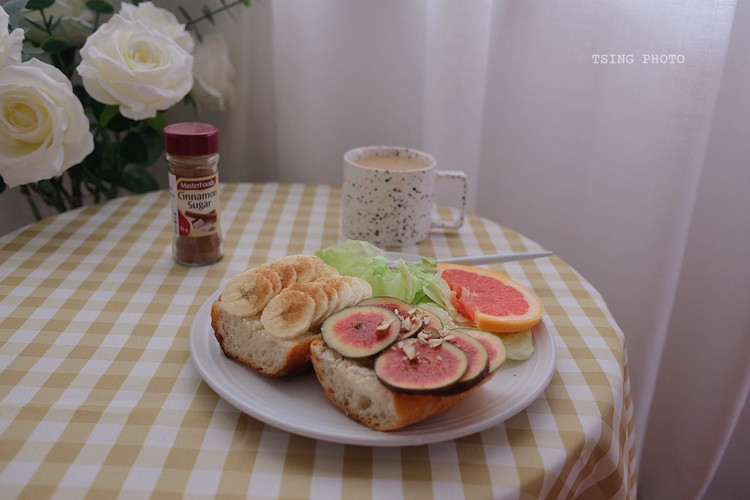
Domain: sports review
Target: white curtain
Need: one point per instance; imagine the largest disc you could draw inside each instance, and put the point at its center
(634, 173)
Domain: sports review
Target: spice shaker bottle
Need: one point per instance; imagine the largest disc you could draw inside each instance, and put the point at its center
(192, 154)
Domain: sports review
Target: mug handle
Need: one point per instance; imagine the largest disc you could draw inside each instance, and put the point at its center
(459, 220)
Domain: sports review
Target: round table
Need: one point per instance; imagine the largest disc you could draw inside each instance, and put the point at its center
(99, 396)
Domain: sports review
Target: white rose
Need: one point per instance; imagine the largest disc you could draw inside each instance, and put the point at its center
(214, 74)
(43, 129)
(141, 69)
(159, 19)
(11, 43)
(75, 22)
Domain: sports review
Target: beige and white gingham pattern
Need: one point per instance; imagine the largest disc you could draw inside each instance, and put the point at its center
(99, 398)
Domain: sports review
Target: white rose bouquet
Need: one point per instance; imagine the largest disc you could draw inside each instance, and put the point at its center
(83, 90)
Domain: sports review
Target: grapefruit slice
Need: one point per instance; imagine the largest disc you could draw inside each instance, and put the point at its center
(492, 301)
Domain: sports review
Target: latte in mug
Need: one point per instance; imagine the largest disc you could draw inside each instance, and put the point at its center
(387, 195)
(393, 162)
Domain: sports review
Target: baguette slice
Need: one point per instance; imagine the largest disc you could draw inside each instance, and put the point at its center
(353, 387)
(270, 327)
(245, 340)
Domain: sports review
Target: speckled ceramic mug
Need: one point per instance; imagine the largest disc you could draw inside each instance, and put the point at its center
(388, 195)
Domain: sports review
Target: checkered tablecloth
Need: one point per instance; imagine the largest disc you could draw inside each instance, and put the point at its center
(99, 397)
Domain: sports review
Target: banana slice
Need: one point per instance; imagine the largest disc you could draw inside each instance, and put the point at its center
(322, 270)
(246, 294)
(303, 266)
(345, 291)
(359, 290)
(315, 290)
(289, 314)
(307, 267)
(362, 289)
(272, 276)
(328, 285)
(285, 271)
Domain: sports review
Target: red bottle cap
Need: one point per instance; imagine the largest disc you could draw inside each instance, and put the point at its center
(191, 139)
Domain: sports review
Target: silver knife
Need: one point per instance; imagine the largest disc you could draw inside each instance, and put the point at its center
(473, 260)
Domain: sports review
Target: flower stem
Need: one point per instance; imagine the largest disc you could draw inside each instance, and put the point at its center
(27, 194)
(192, 22)
(61, 195)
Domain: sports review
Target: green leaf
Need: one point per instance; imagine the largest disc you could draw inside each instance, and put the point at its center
(119, 123)
(110, 118)
(154, 141)
(158, 122)
(366, 261)
(39, 4)
(54, 45)
(107, 113)
(111, 164)
(139, 180)
(91, 106)
(134, 148)
(46, 188)
(99, 6)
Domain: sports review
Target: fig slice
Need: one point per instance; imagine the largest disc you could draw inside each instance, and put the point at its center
(419, 367)
(411, 316)
(493, 343)
(479, 360)
(431, 321)
(361, 331)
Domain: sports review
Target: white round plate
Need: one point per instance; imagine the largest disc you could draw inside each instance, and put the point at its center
(299, 405)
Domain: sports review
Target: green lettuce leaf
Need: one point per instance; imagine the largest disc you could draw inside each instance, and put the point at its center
(519, 345)
(405, 281)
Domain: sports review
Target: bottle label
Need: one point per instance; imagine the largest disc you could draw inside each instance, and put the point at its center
(195, 205)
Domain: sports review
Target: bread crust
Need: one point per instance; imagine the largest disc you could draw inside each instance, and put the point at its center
(245, 340)
(353, 387)
(244, 334)
(271, 313)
